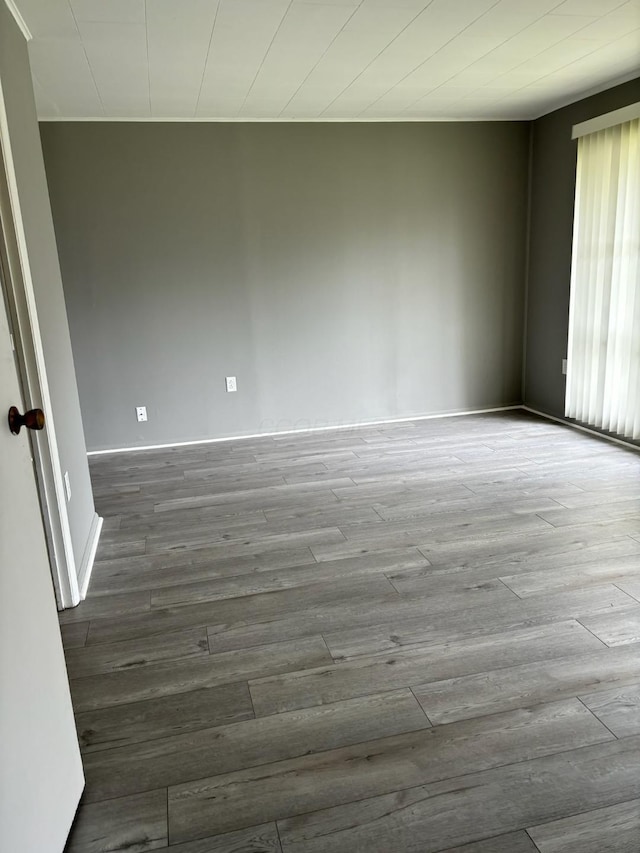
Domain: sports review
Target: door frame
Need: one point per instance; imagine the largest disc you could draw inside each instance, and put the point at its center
(27, 343)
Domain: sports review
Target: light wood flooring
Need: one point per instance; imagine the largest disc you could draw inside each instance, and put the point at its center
(416, 637)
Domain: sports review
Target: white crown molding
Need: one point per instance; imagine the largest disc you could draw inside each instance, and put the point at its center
(276, 120)
(551, 108)
(20, 21)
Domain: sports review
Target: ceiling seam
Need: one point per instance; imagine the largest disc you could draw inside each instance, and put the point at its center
(377, 56)
(266, 53)
(326, 50)
(37, 83)
(600, 53)
(146, 39)
(484, 55)
(515, 67)
(568, 65)
(435, 53)
(84, 50)
(206, 60)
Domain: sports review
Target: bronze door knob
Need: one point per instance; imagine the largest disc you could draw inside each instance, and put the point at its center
(33, 419)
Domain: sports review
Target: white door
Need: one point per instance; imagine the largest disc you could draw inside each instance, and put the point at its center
(41, 777)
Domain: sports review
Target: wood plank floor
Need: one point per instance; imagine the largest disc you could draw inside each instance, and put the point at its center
(416, 637)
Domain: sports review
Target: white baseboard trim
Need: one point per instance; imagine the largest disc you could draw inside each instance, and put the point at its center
(629, 445)
(355, 425)
(86, 567)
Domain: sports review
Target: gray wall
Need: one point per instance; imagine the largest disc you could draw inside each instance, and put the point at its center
(343, 272)
(552, 196)
(45, 273)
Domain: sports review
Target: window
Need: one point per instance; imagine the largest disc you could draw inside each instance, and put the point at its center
(603, 371)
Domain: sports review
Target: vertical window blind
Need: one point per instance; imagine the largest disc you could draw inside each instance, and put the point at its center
(603, 370)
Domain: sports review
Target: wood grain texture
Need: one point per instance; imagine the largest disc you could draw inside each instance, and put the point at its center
(164, 679)
(513, 842)
(248, 744)
(618, 709)
(615, 629)
(587, 515)
(110, 607)
(612, 571)
(74, 634)
(237, 544)
(130, 654)
(549, 561)
(406, 668)
(122, 725)
(430, 818)
(131, 824)
(615, 829)
(156, 571)
(314, 782)
(502, 689)
(631, 586)
(351, 611)
(306, 575)
(478, 621)
(400, 534)
(126, 548)
(485, 565)
(264, 607)
(255, 839)
(537, 550)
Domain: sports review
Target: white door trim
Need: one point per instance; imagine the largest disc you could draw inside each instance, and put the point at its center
(48, 469)
(86, 565)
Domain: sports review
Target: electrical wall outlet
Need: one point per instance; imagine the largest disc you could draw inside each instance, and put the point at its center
(67, 485)
(564, 366)
(231, 383)
(141, 413)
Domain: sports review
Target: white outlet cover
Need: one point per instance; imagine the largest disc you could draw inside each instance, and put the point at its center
(231, 383)
(141, 413)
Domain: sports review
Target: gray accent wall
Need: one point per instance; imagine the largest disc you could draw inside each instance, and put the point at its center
(553, 177)
(45, 273)
(342, 272)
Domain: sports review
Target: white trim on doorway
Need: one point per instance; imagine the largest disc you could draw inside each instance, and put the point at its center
(86, 565)
(47, 459)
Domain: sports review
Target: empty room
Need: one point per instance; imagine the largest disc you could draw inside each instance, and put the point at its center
(320, 366)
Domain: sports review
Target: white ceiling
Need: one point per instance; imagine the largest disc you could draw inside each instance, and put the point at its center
(326, 59)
